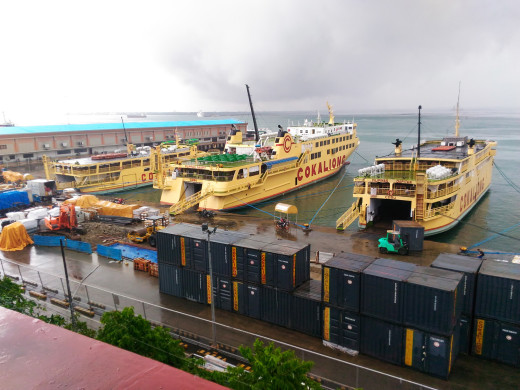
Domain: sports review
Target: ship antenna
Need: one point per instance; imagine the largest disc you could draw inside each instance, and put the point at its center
(457, 123)
(257, 135)
(124, 129)
(419, 136)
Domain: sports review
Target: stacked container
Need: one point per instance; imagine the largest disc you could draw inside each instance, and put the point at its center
(341, 296)
(496, 332)
(469, 267)
(252, 276)
(433, 303)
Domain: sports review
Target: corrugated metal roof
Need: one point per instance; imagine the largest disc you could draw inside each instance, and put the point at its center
(110, 126)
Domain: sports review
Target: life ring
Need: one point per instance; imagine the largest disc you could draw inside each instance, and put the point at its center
(390, 193)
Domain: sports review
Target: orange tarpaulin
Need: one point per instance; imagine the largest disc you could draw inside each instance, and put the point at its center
(14, 237)
(104, 207)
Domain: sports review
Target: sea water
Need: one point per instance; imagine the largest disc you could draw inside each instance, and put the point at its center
(495, 218)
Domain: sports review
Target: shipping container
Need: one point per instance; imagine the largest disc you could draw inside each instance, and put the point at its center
(496, 340)
(433, 300)
(341, 280)
(465, 333)
(196, 286)
(254, 301)
(223, 254)
(382, 289)
(306, 310)
(275, 306)
(170, 280)
(341, 327)
(279, 264)
(411, 232)
(240, 297)
(498, 291)
(382, 340)
(168, 243)
(430, 353)
(469, 266)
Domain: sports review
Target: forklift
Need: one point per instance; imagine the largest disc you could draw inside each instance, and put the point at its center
(152, 224)
(393, 243)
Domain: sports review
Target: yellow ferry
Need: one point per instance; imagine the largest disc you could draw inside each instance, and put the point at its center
(116, 172)
(436, 184)
(252, 171)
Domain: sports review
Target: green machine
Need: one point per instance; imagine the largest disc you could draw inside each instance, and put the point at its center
(393, 243)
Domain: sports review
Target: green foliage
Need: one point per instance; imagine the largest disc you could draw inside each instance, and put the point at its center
(11, 297)
(271, 368)
(134, 333)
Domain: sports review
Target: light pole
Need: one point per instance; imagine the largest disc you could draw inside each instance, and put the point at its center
(213, 326)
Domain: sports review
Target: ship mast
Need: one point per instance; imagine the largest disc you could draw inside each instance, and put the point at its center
(257, 136)
(419, 136)
(457, 123)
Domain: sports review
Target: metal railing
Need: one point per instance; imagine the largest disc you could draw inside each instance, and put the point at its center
(333, 371)
(437, 211)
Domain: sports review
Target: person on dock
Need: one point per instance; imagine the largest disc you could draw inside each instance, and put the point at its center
(480, 253)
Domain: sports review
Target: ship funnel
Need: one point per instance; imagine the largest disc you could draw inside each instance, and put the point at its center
(398, 146)
(281, 131)
(471, 147)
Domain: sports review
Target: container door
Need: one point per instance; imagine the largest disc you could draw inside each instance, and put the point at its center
(199, 255)
(414, 352)
(170, 281)
(464, 335)
(284, 273)
(225, 294)
(268, 263)
(332, 325)
(348, 289)
(239, 298)
(221, 259)
(438, 356)
(350, 330)
(508, 344)
(253, 301)
(253, 260)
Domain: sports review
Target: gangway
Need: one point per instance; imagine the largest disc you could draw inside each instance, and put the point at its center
(191, 201)
(348, 217)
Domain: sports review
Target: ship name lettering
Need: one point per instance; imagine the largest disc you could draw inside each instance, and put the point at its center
(316, 169)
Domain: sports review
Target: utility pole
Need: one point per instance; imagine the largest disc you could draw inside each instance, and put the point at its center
(213, 325)
(71, 306)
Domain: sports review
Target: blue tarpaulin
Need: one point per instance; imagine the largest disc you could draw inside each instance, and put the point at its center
(134, 252)
(13, 198)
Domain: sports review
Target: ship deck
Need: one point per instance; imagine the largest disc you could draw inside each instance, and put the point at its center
(427, 152)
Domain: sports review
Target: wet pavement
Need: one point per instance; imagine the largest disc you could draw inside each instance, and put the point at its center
(122, 280)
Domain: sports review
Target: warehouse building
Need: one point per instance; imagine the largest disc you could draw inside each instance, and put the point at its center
(29, 143)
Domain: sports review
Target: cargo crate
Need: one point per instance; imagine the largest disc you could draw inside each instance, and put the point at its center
(153, 269)
(141, 264)
(411, 232)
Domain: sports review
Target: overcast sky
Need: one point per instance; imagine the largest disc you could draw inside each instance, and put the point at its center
(71, 56)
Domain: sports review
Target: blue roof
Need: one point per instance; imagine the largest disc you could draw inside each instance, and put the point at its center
(111, 126)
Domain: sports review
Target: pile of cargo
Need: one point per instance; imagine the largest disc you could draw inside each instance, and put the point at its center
(252, 277)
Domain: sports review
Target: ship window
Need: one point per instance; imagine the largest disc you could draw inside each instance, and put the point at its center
(317, 144)
(328, 151)
(321, 143)
(313, 131)
(328, 142)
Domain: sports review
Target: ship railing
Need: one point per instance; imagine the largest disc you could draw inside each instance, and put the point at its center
(437, 211)
(443, 192)
(60, 185)
(359, 190)
(403, 192)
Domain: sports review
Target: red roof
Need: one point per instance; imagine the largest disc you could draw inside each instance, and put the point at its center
(36, 355)
(444, 148)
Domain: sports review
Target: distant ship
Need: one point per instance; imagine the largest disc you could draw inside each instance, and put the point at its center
(435, 184)
(6, 123)
(136, 115)
(200, 114)
(250, 172)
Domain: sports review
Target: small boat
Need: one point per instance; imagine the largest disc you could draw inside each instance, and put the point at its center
(6, 123)
(252, 171)
(200, 114)
(136, 115)
(118, 171)
(436, 183)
